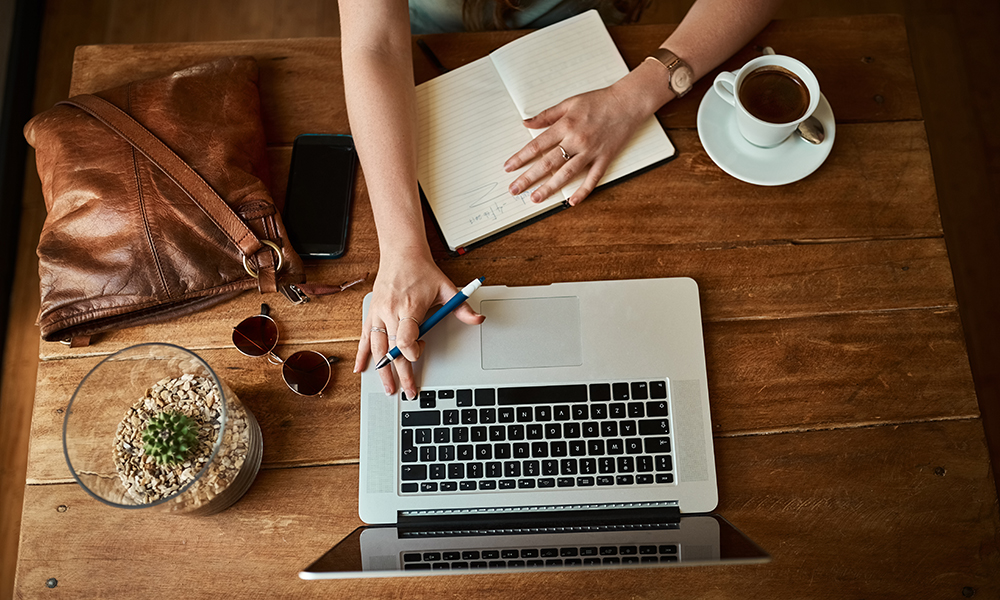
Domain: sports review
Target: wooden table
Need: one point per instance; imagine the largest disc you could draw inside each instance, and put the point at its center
(847, 431)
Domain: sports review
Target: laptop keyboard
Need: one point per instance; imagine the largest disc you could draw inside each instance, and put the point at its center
(533, 438)
(513, 558)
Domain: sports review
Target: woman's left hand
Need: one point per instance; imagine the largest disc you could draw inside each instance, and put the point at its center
(591, 128)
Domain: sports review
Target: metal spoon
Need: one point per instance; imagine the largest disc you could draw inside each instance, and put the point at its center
(811, 130)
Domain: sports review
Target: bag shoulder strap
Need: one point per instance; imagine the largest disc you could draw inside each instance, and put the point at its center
(174, 167)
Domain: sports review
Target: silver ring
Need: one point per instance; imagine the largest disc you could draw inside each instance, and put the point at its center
(378, 329)
(566, 155)
(401, 319)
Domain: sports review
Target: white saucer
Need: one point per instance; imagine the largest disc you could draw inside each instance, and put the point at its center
(789, 161)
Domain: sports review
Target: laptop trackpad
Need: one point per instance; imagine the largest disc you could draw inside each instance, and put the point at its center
(525, 333)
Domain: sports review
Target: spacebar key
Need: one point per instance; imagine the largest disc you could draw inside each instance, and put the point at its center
(542, 394)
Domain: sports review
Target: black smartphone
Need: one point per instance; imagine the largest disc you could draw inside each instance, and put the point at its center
(320, 191)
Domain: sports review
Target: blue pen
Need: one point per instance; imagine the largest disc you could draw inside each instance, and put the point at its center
(451, 305)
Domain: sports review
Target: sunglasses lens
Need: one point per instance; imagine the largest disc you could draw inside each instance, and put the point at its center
(307, 372)
(255, 336)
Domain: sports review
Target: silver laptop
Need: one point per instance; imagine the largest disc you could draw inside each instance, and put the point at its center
(570, 397)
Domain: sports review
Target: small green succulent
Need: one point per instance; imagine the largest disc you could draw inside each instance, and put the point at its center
(169, 437)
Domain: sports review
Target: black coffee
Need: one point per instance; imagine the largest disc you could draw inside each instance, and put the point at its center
(774, 94)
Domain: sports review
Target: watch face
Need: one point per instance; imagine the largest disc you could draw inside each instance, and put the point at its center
(681, 79)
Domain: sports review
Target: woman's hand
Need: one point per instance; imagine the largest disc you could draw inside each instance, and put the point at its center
(592, 128)
(405, 290)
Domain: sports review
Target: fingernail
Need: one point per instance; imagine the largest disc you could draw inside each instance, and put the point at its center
(411, 394)
(514, 189)
(530, 119)
(388, 391)
(536, 197)
(507, 167)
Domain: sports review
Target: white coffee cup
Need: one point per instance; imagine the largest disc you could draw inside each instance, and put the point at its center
(757, 131)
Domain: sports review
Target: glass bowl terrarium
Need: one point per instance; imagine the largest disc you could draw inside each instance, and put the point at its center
(153, 426)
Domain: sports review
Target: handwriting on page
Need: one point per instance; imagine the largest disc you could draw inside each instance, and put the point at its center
(467, 127)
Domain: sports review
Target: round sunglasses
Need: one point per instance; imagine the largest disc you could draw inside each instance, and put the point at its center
(306, 372)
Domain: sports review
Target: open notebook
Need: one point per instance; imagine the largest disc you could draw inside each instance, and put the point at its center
(470, 123)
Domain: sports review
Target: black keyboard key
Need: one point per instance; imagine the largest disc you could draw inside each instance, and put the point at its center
(606, 465)
(612, 560)
(417, 567)
(598, 411)
(571, 430)
(609, 550)
(647, 550)
(619, 391)
(591, 429)
(600, 392)
(466, 452)
(561, 413)
(525, 484)
(416, 418)
(550, 467)
(529, 553)
(595, 447)
(446, 453)
(428, 402)
(429, 486)
(428, 453)
(409, 487)
(501, 450)
(668, 549)
(487, 415)
(616, 446)
(640, 391)
(469, 416)
(494, 469)
(657, 389)
(451, 417)
(442, 435)
(449, 486)
(450, 556)
(488, 484)
(626, 464)
(534, 431)
(647, 478)
(531, 468)
(515, 432)
(491, 554)
(467, 486)
(630, 560)
(564, 552)
(470, 555)
(664, 462)
(588, 551)
(498, 564)
(479, 434)
(508, 554)
(636, 410)
(543, 413)
(628, 550)
(432, 556)
(633, 446)
(478, 564)
(546, 482)
(411, 557)
(664, 478)
(459, 434)
(605, 480)
(474, 470)
(609, 429)
(539, 449)
(580, 412)
(414, 472)
(553, 562)
(524, 414)
(654, 427)
(463, 398)
(498, 433)
(549, 552)
(486, 397)
(567, 466)
(644, 464)
(656, 408)
(557, 448)
(553, 431)
(446, 394)
(585, 481)
(523, 450)
(437, 471)
(505, 414)
(428, 395)
(456, 471)
(627, 428)
(625, 480)
(543, 394)
(577, 448)
(484, 451)
(423, 435)
(617, 410)
(657, 445)
(588, 466)
(515, 564)
(507, 484)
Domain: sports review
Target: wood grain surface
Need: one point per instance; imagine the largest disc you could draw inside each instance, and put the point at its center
(865, 513)
(847, 430)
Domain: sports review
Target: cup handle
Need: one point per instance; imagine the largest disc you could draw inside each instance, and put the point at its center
(725, 86)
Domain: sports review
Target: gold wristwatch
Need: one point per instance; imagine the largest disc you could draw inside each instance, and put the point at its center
(681, 77)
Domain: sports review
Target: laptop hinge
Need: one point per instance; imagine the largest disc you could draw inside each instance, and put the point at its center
(587, 519)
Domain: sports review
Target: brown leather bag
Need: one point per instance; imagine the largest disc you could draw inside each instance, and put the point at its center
(158, 202)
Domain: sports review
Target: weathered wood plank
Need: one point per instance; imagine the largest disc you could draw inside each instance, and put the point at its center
(305, 73)
(749, 282)
(902, 512)
(764, 376)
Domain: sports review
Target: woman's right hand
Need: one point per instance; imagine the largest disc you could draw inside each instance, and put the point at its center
(406, 288)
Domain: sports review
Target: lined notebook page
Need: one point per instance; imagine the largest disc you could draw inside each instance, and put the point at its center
(467, 128)
(572, 57)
